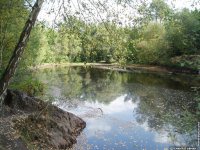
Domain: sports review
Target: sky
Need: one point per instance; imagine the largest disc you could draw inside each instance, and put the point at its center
(179, 4)
(113, 11)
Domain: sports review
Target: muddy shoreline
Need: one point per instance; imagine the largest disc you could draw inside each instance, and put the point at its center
(126, 68)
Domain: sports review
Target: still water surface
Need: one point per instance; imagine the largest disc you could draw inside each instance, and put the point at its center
(126, 111)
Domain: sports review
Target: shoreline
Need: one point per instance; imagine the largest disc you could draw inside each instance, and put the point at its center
(30, 123)
(117, 67)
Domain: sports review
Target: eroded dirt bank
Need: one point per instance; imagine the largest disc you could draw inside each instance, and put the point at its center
(30, 123)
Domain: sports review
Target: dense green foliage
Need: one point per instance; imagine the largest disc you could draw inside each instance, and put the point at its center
(11, 24)
(159, 37)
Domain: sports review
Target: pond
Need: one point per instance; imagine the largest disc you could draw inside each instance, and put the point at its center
(126, 110)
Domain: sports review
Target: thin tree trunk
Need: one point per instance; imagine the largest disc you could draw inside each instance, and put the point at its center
(19, 49)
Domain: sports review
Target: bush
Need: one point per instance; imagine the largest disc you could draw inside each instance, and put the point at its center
(187, 61)
(30, 86)
(153, 45)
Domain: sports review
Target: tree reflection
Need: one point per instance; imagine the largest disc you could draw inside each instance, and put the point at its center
(170, 110)
(166, 103)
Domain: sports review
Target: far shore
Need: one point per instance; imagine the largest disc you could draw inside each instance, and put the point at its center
(118, 67)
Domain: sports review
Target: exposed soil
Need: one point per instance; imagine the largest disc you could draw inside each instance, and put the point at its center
(30, 123)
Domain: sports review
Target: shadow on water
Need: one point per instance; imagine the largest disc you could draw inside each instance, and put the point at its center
(126, 110)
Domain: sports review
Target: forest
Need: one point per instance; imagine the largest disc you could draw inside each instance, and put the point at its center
(161, 35)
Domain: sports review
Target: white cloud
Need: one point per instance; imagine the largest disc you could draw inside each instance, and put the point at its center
(164, 138)
(116, 106)
(96, 127)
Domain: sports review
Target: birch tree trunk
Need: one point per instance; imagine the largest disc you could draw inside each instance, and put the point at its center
(19, 49)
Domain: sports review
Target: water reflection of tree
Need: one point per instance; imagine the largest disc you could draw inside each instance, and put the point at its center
(163, 105)
(165, 109)
(105, 86)
(84, 83)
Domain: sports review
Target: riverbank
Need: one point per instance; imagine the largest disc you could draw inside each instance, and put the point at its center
(125, 68)
(30, 123)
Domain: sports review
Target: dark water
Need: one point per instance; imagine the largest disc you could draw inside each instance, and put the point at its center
(133, 111)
